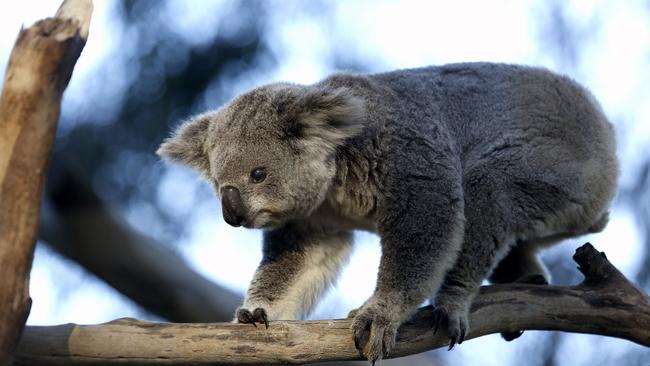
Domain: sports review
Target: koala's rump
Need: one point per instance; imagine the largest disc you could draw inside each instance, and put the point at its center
(543, 136)
(548, 140)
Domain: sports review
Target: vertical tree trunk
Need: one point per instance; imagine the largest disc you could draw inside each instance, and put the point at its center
(39, 69)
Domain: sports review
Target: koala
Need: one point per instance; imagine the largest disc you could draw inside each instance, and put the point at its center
(465, 171)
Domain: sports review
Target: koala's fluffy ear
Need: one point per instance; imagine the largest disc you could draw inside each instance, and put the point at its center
(330, 115)
(187, 145)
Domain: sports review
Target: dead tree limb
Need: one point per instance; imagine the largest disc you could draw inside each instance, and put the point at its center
(606, 303)
(82, 227)
(39, 69)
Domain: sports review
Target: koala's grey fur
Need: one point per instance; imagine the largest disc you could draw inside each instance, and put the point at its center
(464, 171)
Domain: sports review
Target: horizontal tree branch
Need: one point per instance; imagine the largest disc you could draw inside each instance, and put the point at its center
(606, 303)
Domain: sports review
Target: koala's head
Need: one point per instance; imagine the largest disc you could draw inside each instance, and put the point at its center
(270, 153)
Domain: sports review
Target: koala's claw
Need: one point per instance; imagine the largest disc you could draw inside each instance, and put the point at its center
(457, 324)
(511, 336)
(258, 315)
(375, 332)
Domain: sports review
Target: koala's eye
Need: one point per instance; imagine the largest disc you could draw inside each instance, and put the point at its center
(258, 175)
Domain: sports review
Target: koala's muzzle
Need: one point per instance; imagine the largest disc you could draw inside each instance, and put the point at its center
(233, 208)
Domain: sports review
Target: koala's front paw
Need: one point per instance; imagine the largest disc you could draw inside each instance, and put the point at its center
(455, 317)
(374, 329)
(258, 315)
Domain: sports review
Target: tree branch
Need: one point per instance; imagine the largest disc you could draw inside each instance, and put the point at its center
(39, 69)
(606, 303)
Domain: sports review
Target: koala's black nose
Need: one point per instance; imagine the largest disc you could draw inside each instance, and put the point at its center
(232, 206)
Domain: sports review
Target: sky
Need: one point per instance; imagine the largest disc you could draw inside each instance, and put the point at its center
(612, 62)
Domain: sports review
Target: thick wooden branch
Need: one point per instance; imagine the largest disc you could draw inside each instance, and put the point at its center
(39, 69)
(606, 303)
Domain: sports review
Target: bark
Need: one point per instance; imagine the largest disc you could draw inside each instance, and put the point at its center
(39, 69)
(606, 303)
(82, 227)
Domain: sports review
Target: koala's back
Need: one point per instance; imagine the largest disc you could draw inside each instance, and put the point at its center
(541, 134)
(480, 102)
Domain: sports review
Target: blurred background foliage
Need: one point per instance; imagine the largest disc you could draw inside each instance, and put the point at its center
(149, 64)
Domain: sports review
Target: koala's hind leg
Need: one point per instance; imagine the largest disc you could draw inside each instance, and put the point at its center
(522, 261)
(521, 264)
(298, 265)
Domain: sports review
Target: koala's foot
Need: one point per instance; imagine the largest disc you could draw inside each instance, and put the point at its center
(374, 329)
(454, 315)
(533, 279)
(258, 315)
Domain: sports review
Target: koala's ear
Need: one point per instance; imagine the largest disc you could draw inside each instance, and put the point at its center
(187, 145)
(330, 115)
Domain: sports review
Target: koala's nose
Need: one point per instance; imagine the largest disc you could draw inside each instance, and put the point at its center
(232, 206)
